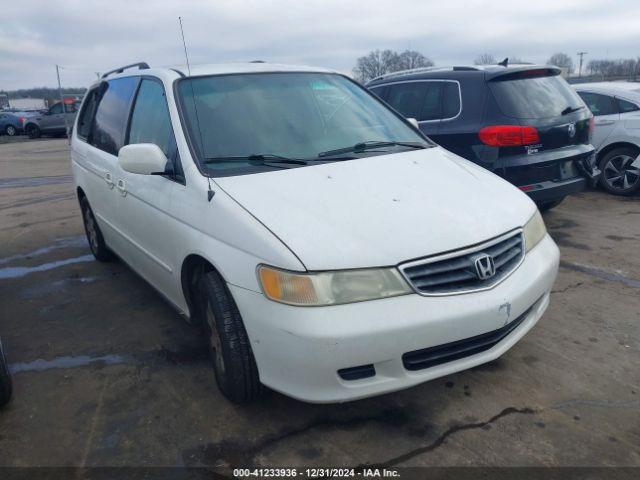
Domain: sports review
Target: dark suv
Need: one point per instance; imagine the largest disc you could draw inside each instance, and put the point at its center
(522, 122)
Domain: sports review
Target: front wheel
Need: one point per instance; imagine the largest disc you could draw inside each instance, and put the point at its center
(619, 176)
(234, 365)
(11, 131)
(6, 386)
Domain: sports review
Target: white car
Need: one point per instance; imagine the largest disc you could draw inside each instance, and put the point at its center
(330, 250)
(616, 136)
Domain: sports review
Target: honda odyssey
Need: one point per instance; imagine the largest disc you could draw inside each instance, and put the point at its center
(329, 249)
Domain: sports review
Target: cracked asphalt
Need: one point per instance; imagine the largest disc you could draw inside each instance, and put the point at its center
(107, 374)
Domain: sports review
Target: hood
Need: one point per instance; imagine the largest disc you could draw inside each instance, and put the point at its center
(381, 210)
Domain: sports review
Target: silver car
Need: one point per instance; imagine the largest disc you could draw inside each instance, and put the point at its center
(52, 121)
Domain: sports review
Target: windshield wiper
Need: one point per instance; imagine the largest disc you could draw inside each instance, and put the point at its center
(571, 109)
(363, 146)
(268, 159)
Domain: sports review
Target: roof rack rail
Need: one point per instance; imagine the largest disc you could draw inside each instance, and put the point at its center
(140, 65)
(423, 70)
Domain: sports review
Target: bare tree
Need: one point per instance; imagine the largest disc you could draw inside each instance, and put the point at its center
(379, 62)
(410, 59)
(561, 60)
(485, 59)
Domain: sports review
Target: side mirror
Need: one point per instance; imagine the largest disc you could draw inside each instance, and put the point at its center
(142, 158)
(413, 122)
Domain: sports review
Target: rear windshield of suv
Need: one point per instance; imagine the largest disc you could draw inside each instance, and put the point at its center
(534, 97)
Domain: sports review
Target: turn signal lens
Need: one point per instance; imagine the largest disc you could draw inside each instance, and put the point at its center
(331, 288)
(508, 135)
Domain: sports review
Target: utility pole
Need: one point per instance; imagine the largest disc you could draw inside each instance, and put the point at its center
(64, 107)
(581, 54)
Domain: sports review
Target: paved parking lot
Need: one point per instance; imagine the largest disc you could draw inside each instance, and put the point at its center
(106, 373)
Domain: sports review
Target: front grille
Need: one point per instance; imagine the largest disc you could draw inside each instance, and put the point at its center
(455, 272)
(432, 356)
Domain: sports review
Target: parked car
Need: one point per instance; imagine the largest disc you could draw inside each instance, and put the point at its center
(5, 380)
(52, 122)
(616, 137)
(10, 124)
(522, 122)
(329, 249)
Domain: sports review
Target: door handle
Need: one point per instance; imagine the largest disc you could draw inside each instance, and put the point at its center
(605, 122)
(108, 180)
(122, 187)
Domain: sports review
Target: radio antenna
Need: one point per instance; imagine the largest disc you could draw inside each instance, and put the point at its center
(210, 193)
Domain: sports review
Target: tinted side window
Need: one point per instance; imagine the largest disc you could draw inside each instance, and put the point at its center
(419, 100)
(86, 115)
(450, 99)
(407, 98)
(150, 121)
(112, 114)
(599, 104)
(625, 106)
(378, 91)
(57, 108)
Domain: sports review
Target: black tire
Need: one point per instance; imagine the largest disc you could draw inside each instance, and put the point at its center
(618, 176)
(6, 387)
(234, 365)
(11, 131)
(94, 236)
(544, 206)
(33, 131)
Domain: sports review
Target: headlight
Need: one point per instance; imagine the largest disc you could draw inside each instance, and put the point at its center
(534, 231)
(331, 288)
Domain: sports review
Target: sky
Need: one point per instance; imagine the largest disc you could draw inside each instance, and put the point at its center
(88, 36)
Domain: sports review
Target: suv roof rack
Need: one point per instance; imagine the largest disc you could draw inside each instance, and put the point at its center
(140, 65)
(411, 71)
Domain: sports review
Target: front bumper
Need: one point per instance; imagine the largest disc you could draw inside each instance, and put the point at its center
(299, 350)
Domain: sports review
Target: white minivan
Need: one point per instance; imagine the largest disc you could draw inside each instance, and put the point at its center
(329, 250)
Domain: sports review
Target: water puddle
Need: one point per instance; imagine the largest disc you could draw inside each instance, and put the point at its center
(34, 181)
(40, 365)
(596, 272)
(66, 242)
(17, 272)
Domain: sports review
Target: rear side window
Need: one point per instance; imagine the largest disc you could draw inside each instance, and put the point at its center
(599, 104)
(533, 97)
(150, 121)
(112, 114)
(626, 107)
(450, 99)
(55, 109)
(419, 100)
(86, 115)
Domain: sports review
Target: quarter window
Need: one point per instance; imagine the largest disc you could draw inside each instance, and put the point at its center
(626, 107)
(111, 116)
(86, 115)
(599, 104)
(450, 100)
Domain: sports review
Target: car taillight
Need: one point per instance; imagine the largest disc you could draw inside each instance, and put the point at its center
(508, 135)
(22, 119)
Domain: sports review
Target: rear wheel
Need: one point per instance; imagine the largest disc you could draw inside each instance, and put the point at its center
(544, 206)
(6, 386)
(234, 365)
(33, 131)
(11, 130)
(619, 176)
(94, 235)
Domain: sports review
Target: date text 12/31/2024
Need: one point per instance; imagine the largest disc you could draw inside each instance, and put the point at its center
(316, 472)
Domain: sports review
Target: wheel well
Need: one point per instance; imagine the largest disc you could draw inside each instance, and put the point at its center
(613, 146)
(80, 193)
(193, 267)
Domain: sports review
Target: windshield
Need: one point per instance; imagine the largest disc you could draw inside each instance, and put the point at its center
(535, 97)
(289, 115)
